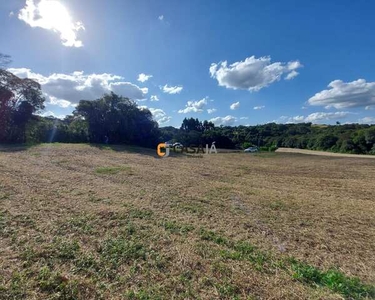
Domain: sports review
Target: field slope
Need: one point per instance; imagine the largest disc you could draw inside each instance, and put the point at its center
(91, 222)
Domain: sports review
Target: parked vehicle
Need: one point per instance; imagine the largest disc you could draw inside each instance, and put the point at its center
(251, 149)
(178, 145)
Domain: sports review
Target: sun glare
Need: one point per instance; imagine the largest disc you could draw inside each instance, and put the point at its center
(55, 15)
(52, 15)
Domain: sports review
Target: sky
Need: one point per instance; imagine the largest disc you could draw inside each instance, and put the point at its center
(236, 62)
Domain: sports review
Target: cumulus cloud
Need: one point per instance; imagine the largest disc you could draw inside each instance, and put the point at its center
(11, 14)
(160, 115)
(226, 121)
(244, 118)
(211, 110)
(66, 90)
(235, 105)
(291, 75)
(316, 117)
(259, 107)
(194, 106)
(253, 73)
(144, 77)
(161, 17)
(358, 93)
(367, 120)
(52, 15)
(52, 114)
(171, 89)
(154, 98)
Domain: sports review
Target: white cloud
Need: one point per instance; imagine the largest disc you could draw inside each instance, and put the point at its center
(52, 15)
(369, 107)
(51, 114)
(160, 115)
(235, 105)
(59, 102)
(161, 17)
(171, 89)
(291, 75)
(194, 106)
(154, 98)
(226, 121)
(316, 117)
(211, 110)
(11, 14)
(66, 90)
(367, 120)
(358, 93)
(144, 77)
(259, 107)
(128, 89)
(244, 118)
(253, 73)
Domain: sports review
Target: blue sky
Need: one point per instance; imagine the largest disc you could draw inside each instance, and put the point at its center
(280, 57)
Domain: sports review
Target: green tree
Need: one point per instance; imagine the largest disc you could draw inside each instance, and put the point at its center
(189, 124)
(119, 120)
(19, 100)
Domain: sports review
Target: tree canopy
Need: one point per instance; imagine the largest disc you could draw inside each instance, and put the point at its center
(119, 120)
(19, 100)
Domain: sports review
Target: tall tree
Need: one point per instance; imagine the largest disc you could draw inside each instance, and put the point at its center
(118, 120)
(19, 99)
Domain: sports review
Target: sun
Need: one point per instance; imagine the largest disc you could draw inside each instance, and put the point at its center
(52, 15)
(55, 15)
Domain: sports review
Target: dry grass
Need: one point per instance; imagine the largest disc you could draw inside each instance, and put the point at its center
(85, 222)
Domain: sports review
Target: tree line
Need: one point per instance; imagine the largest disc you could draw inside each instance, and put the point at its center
(348, 138)
(118, 120)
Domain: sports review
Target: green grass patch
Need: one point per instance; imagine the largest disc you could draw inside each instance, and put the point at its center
(77, 224)
(58, 285)
(113, 170)
(266, 154)
(176, 228)
(195, 208)
(17, 288)
(66, 250)
(350, 287)
(208, 235)
(86, 262)
(141, 213)
(121, 250)
(245, 251)
(143, 295)
(278, 205)
(4, 196)
(336, 281)
(228, 290)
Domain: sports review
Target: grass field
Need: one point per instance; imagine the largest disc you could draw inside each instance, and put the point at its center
(90, 222)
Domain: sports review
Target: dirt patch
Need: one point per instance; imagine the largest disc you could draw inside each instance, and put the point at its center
(322, 153)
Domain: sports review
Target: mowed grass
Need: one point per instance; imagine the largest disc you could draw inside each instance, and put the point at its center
(87, 222)
(112, 170)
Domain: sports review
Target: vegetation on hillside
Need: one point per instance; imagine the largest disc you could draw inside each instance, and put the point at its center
(118, 120)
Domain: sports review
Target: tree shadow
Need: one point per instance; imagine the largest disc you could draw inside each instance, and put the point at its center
(127, 149)
(135, 150)
(15, 147)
